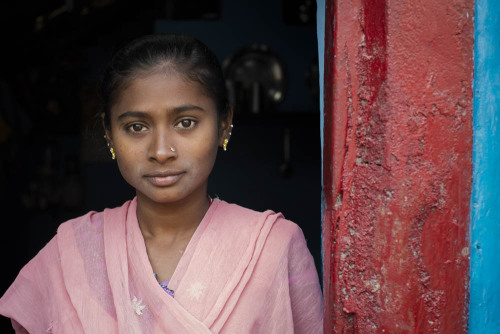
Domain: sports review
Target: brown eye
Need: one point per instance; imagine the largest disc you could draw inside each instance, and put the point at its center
(137, 127)
(186, 123)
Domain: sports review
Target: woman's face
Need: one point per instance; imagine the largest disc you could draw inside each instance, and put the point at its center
(165, 133)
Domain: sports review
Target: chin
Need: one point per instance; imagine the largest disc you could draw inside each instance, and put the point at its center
(172, 194)
(168, 199)
(160, 198)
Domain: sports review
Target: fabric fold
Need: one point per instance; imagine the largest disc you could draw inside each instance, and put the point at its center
(242, 271)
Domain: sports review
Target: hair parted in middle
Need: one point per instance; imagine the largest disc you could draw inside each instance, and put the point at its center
(163, 53)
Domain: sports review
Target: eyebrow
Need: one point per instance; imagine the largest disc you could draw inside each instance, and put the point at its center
(176, 110)
(187, 107)
(131, 114)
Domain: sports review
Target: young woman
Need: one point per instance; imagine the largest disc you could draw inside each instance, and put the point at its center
(171, 260)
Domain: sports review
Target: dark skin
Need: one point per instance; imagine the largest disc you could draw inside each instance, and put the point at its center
(166, 243)
(165, 132)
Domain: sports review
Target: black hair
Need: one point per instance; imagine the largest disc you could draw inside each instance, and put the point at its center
(184, 55)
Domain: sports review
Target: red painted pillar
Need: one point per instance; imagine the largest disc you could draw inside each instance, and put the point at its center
(397, 165)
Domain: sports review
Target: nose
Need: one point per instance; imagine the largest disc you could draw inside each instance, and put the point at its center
(161, 150)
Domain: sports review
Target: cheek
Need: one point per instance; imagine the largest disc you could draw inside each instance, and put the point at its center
(206, 153)
(126, 169)
(128, 162)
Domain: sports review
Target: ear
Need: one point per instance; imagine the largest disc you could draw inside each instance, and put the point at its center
(107, 132)
(225, 128)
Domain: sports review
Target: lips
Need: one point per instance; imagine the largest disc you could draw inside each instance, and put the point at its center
(164, 178)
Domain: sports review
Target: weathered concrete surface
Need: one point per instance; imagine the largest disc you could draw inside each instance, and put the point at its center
(397, 165)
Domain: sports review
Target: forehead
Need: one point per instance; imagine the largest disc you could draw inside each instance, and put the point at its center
(161, 91)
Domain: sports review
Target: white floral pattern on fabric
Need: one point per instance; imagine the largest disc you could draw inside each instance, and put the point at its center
(50, 330)
(196, 290)
(137, 305)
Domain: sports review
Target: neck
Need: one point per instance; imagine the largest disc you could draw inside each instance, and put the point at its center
(157, 220)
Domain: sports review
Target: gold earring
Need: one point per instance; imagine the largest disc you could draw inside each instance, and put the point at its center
(224, 146)
(113, 155)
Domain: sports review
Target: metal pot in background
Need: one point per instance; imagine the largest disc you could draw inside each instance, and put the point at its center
(255, 79)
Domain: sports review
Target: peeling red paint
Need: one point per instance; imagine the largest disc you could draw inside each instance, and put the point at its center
(397, 165)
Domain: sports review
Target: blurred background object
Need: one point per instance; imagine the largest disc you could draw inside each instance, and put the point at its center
(255, 79)
(54, 164)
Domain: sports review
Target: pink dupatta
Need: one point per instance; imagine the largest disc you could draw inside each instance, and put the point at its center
(243, 271)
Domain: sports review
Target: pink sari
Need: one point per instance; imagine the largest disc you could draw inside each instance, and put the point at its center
(242, 272)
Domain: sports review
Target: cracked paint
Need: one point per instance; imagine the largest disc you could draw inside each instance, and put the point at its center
(397, 165)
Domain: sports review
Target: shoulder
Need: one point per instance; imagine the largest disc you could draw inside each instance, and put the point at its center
(239, 213)
(281, 230)
(284, 239)
(92, 220)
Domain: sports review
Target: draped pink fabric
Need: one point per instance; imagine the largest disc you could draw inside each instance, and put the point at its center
(242, 272)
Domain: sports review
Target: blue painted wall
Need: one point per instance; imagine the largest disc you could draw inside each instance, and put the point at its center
(484, 307)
